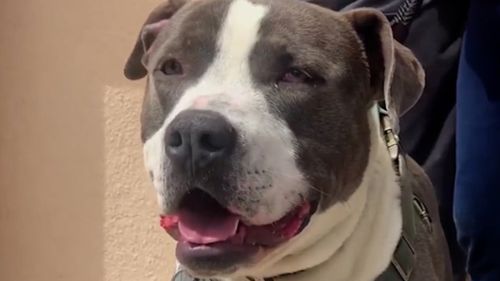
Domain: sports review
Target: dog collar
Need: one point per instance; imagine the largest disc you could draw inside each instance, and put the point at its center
(404, 257)
(182, 275)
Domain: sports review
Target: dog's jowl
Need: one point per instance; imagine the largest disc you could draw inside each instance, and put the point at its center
(263, 140)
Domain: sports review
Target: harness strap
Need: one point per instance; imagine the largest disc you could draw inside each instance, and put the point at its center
(404, 256)
(412, 207)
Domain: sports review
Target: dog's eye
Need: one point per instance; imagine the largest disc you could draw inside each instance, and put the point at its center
(298, 76)
(295, 75)
(172, 67)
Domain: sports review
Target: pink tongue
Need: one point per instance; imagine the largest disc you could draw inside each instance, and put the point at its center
(206, 229)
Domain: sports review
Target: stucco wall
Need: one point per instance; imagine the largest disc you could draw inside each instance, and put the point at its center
(75, 202)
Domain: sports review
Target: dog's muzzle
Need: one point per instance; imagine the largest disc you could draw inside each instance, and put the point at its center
(202, 148)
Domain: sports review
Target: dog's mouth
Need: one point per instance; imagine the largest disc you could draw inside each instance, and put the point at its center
(205, 229)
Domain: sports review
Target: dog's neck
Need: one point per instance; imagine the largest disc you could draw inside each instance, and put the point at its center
(364, 231)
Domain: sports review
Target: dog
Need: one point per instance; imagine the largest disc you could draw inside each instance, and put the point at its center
(270, 135)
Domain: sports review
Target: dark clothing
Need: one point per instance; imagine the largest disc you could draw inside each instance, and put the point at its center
(477, 194)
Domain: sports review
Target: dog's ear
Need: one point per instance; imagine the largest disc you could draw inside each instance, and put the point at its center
(156, 21)
(395, 74)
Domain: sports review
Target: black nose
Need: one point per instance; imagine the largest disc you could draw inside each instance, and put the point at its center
(196, 139)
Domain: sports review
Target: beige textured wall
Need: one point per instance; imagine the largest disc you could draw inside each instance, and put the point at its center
(75, 203)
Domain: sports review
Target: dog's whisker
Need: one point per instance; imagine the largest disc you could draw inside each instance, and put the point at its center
(310, 186)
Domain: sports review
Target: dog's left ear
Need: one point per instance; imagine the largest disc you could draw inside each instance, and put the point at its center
(395, 74)
(156, 21)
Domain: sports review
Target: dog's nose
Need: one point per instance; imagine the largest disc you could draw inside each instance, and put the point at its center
(196, 139)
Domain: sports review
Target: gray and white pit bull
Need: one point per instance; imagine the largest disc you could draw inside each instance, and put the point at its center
(262, 137)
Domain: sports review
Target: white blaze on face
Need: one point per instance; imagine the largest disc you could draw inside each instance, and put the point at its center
(227, 88)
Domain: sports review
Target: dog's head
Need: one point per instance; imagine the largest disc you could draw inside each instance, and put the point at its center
(256, 118)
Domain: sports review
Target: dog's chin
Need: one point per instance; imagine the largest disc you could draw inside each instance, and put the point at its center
(212, 241)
